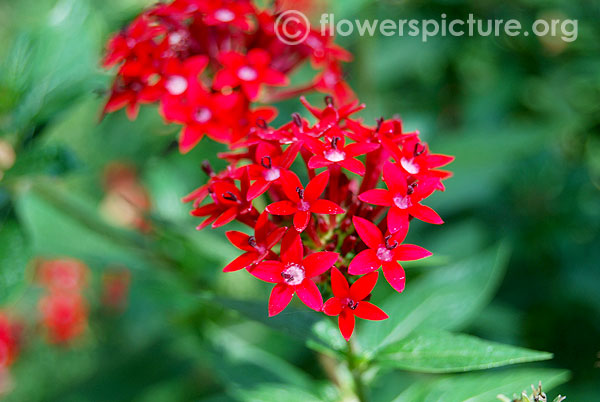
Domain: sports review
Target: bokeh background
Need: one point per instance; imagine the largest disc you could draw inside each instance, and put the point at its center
(521, 115)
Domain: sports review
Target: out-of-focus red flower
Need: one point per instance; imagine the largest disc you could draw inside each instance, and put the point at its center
(115, 288)
(293, 275)
(64, 274)
(384, 251)
(9, 339)
(349, 301)
(64, 316)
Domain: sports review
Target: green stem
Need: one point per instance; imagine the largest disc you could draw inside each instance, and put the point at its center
(357, 373)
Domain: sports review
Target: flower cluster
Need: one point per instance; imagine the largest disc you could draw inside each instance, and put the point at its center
(63, 308)
(207, 61)
(316, 237)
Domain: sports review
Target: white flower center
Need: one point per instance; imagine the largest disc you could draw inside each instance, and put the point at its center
(409, 165)
(402, 202)
(176, 85)
(334, 155)
(303, 206)
(293, 275)
(202, 115)
(384, 254)
(175, 38)
(272, 174)
(224, 15)
(247, 73)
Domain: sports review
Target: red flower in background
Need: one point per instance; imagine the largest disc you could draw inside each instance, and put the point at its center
(9, 339)
(63, 274)
(383, 251)
(250, 72)
(403, 199)
(64, 316)
(302, 202)
(293, 275)
(115, 288)
(349, 301)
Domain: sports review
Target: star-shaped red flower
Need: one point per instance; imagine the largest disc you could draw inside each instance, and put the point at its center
(302, 202)
(349, 301)
(404, 200)
(335, 152)
(257, 247)
(293, 275)
(269, 166)
(250, 71)
(383, 251)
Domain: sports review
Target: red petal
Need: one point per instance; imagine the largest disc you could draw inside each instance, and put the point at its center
(282, 208)
(353, 165)
(339, 284)
(206, 222)
(346, 323)
(394, 178)
(257, 189)
(243, 261)
(317, 161)
(368, 232)
(268, 271)
(239, 239)
(225, 217)
(290, 182)
(425, 214)
(251, 89)
(435, 161)
(301, 219)
(292, 249)
(363, 286)
(366, 261)
(332, 306)
(377, 197)
(224, 78)
(316, 186)
(318, 263)
(394, 274)
(189, 137)
(360, 148)
(309, 293)
(281, 295)
(326, 207)
(410, 252)
(277, 78)
(261, 229)
(397, 220)
(369, 311)
(274, 237)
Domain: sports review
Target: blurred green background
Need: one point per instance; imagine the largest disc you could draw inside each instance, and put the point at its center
(521, 115)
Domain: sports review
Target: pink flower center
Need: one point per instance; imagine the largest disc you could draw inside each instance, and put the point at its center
(334, 155)
(293, 274)
(402, 201)
(409, 165)
(384, 254)
(202, 115)
(247, 73)
(176, 85)
(272, 174)
(224, 15)
(175, 38)
(303, 206)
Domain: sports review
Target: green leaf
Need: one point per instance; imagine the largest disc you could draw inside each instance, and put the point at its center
(14, 255)
(481, 387)
(446, 298)
(444, 352)
(276, 393)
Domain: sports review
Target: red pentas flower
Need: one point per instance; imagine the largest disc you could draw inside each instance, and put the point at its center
(64, 274)
(383, 251)
(403, 199)
(64, 315)
(349, 301)
(257, 247)
(250, 71)
(302, 202)
(9, 339)
(335, 152)
(293, 275)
